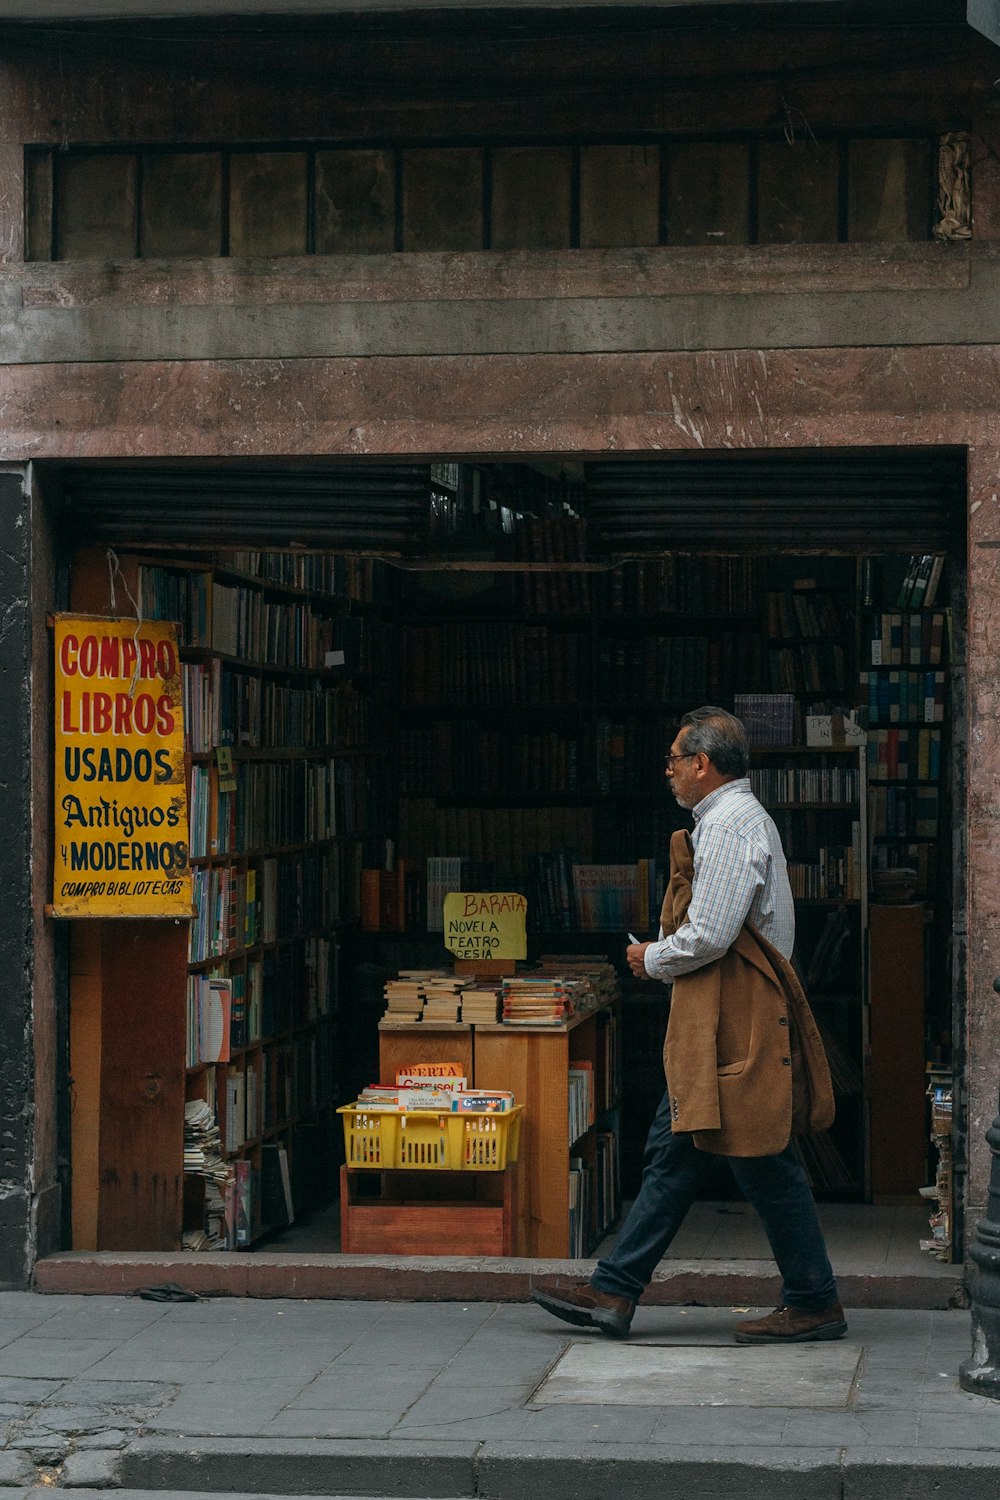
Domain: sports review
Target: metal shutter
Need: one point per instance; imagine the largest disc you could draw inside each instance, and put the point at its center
(375, 507)
(827, 501)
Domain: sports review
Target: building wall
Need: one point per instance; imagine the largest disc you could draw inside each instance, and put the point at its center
(512, 352)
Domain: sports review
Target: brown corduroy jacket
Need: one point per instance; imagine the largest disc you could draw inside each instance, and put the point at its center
(745, 1063)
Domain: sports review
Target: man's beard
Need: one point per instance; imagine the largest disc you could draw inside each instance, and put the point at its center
(679, 799)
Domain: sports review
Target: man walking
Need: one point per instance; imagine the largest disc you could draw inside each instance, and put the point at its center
(744, 1063)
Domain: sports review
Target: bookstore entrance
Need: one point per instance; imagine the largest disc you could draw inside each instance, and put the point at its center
(401, 681)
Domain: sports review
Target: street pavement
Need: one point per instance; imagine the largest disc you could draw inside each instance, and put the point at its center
(500, 1401)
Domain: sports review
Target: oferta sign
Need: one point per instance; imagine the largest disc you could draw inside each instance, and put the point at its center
(121, 820)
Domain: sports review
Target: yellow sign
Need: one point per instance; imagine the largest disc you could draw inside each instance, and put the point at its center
(121, 822)
(485, 924)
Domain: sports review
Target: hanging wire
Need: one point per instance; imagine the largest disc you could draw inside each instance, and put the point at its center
(115, 570)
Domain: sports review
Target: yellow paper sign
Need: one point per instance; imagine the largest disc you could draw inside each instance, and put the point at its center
(485, 924)
(121, 820)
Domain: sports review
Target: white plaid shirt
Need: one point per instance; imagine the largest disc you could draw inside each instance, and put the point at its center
(739, 872)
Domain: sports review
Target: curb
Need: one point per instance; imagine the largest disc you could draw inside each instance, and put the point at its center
(523, 1471)
(459, 1279)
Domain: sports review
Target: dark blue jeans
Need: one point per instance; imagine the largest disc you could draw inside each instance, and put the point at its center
(672, 1175)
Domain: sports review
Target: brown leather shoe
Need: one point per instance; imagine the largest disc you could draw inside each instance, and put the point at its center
(793, 1325)
(577, 1301)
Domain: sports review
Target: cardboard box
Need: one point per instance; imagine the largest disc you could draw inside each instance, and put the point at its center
(835, 730)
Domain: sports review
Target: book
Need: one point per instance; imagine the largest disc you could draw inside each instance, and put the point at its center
(244, 1207)
(277, 1208)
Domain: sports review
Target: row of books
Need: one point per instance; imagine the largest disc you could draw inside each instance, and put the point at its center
(565, 896)
(266, 1090)
(277, 803)
(790, 784)
(921, 581)
(835, 875)
(209, 1019)
(805, 611)
(474, 760)
(339, 575)
(675, 668)
(242, 1119)
(897, 697)
(900, 812)
(502, 838)
(769, 718)
(803, 830)
(912, 639)
(224, 705)
(180, 594)
(629, 754)
(285, 633)
(271, 992)
(580, 1097)
(294, 895)
(492, 662)
(904, 754)
(708, 587)
(712, 585)
(813, 667)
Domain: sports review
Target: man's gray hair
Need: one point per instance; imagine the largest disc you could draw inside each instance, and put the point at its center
(720, 736)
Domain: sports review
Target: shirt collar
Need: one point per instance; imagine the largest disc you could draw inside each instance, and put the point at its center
(741, 784)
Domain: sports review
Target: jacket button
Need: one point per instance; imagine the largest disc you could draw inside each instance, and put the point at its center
(787, 1061)
(782, 1020)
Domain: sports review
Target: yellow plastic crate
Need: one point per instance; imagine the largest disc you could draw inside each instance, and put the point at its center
(387, 1140)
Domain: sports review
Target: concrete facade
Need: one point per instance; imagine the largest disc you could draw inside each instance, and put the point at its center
(515, 353)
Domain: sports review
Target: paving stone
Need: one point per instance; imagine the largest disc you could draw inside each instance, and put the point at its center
(111, 1437)
(334, 1424)
(813, 1375)
(138, 1394)
(70, 1418)
(350, 1388)
(54, 1358)
(16, 1467)
(90, 1468)
(30, 1392)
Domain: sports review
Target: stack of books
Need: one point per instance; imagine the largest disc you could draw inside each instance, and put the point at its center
(481, 1007)
(595, 977)
(404, 1001)
(545, 1000)
(202, 1142)
(405, 995)
(443, 999)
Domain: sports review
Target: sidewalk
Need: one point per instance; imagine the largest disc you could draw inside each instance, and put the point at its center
(480, 1399)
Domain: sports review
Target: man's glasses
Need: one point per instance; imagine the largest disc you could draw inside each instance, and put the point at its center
(669, 761)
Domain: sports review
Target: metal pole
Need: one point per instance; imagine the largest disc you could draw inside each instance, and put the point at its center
(981, 1371)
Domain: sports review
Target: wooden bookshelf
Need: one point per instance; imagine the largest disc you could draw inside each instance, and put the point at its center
(271, 653)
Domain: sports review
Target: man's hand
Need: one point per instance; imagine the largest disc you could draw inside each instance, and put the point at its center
(635, 954)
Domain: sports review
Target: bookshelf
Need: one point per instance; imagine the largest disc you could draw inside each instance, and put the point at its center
(818, 798)
(279, 659)
(906, 650)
